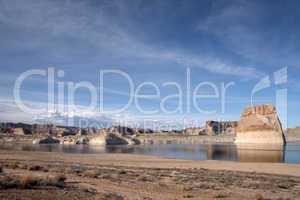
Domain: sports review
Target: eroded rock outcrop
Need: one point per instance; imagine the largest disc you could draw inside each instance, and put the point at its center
(118, 139)
(222, 127)
(18, 131)
(260, 124)
(194, 131)
(99, 139)
(47, 140)
(82, 140)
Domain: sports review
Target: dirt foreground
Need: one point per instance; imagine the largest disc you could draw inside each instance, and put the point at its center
(126, 176)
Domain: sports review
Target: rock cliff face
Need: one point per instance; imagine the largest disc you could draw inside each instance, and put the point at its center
(260, 124)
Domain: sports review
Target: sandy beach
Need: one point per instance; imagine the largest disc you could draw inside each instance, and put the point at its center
(125, 176)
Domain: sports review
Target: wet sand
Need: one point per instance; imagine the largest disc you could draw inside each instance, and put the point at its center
(126, 176)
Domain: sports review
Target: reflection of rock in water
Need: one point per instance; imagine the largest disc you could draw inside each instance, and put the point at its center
(246, 153)
(259, 153)
(221, 152)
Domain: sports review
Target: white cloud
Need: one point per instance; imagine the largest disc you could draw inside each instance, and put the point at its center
(213, 65)
(10, 112)
(247, 29)
(103, 31)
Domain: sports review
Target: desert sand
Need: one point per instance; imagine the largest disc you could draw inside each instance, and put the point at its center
(124, 176)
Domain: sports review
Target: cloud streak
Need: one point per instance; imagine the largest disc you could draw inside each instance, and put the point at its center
(248, 30)
(103, 32)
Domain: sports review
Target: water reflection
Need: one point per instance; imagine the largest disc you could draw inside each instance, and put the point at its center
(260, 153)
(243, 153)
(221, 152)
(246, 153)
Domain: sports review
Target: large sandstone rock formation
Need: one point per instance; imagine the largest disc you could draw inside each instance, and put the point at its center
(260, 125)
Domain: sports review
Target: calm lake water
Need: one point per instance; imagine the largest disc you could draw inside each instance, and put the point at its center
(289, 153)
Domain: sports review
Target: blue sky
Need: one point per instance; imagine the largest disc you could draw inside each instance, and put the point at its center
(154, 41)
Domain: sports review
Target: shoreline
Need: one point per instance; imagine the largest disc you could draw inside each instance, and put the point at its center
(148, 161)
(145, 139)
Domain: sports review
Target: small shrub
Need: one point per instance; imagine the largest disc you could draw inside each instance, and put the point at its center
(122, 172)
(28, 182)
(60, 177)
(45, 170)
(259, 196)
(106, 176)
(91, 174)
(22, 166)
(113, 196)
(58, 180)
(220, 196)
(35, 168)
(188, 196)
(284, 186)
(90, 190)
(145, 179)
(7, 182)
(14, 165)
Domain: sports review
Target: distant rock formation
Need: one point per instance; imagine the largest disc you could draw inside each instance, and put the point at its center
(129, 131)
(47, 140)
(223, 127)
(18, 131)
(82, 140)
(294, 131)
(118, 139)
(15, 128)
(194, 131)
(293, 134)
(213, 128)
(99, 139)
(261, 125)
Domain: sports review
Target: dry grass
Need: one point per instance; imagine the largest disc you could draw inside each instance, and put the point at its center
(7, 182)
(58, 180)
(220, 196)
(30, 181)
